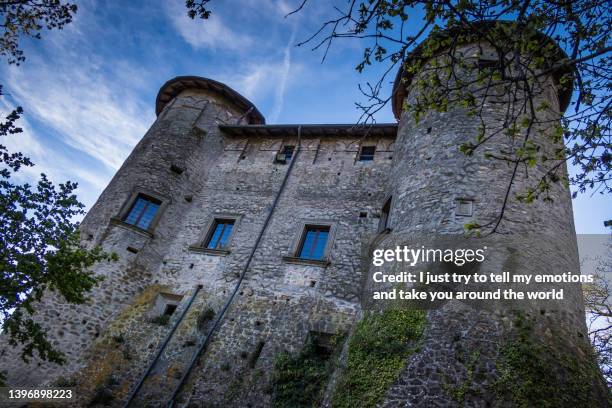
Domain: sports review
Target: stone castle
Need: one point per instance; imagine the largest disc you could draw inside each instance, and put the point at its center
(240, 242)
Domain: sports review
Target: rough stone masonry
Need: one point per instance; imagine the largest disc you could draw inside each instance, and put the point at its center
(210, 162)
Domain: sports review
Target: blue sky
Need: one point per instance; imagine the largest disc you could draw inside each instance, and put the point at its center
(88, 91)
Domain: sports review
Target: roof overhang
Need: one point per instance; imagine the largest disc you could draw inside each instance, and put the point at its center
(384, 130)
(173, 87)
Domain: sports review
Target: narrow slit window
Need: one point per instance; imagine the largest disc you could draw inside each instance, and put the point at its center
(488, 64)
(256, 353)
(384, 216)
(143, 212)
(367, 153)
(221, 232)
(488, 61)
(314, 242)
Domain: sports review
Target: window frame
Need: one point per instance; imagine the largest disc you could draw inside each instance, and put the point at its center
(209, 230)
(129, 204)
(360, 153)
(298, 240)
(307, 228)
(459, 202)
(213, 228)
(162, 301)
(281, 152)
(148, 201)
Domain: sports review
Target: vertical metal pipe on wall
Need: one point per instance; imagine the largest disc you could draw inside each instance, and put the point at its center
(242, 275)
(161, 349)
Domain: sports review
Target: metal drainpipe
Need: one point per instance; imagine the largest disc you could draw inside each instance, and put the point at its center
(242, 275)
(161, 349)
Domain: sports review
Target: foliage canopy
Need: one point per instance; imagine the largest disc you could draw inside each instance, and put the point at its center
(40, 249)
(527, 37)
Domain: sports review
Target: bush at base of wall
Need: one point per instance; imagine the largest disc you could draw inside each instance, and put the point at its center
(378, 350)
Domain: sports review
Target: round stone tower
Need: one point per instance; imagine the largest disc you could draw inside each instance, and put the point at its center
(164, 161)
(166, 168)
(436, 190)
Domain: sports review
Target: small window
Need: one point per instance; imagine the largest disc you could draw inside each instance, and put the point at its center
(384, 216)
(142, 212)
(464, 208)
(288, 152)
(165, 304)
(367, 153)
(220, 234)
(486, 64)
(176, 169)
(314, 242)
(170, 309)
(284, 155)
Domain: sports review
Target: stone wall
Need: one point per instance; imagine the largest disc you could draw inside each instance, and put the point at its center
(429, 177)
(281, 299)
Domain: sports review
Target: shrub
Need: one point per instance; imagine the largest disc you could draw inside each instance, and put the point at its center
(540, 373)
(299, 381)
(206, 316)
(161, 320)
(378, 349)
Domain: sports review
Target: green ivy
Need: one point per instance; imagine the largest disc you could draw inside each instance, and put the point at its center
(299, 381)
(161, 320)
(535, 373)
(378, 349)
(460, 391)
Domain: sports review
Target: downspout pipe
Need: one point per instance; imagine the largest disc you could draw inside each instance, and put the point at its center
(221, 314)
(161, 349)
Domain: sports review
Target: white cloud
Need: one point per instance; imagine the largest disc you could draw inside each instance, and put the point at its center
(262, 81)
(213, 33)
(254, 83)
(90, 111)
(57, 166)
(284, 8)
(279, 97)
(84, 110)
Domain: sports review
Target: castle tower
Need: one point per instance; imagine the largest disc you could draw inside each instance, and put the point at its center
(137, 215)
(211, 217)
(435, 190)
(170, 160)
(243, 252)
